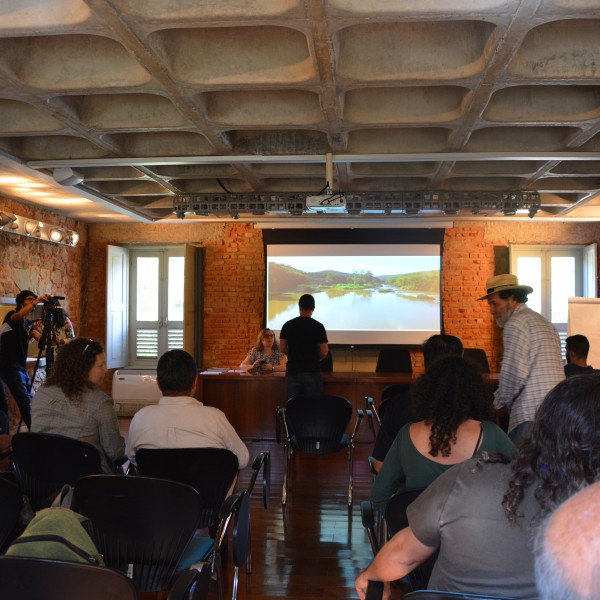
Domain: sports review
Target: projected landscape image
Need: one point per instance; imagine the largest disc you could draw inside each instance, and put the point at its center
(388, 293)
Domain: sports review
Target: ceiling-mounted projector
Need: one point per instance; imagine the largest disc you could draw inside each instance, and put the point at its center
(326, 203)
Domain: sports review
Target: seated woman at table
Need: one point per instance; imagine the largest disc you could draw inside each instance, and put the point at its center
(70, 402)
(265, 356)
(451, 405)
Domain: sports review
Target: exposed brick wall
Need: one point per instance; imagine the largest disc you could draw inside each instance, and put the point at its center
(233, 285)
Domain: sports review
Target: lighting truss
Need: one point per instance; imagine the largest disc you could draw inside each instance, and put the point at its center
(358, 203)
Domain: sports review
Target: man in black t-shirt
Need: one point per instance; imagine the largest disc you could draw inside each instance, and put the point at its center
(304, 340)
(16, 331)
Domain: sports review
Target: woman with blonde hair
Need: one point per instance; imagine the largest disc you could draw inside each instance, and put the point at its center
(265, 356)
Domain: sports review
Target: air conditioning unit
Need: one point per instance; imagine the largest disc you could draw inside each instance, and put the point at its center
(133, 389)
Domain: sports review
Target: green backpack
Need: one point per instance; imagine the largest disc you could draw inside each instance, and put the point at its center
(57, 534)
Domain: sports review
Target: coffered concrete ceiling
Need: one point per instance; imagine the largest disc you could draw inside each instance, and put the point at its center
(130, 103)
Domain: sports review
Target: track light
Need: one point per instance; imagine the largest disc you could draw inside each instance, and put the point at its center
(56, 235)
(5, 219)
(32, 229)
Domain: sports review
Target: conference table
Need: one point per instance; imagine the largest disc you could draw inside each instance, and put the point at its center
(249, 400)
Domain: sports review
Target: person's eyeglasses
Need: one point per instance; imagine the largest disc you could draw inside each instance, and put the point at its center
(267, 335)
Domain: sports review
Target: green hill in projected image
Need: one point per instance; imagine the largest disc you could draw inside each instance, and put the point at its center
(285, 279)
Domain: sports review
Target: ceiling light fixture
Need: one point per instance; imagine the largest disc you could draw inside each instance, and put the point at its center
(67, 176)
(33, 229)
(56, 235)
(6, 218)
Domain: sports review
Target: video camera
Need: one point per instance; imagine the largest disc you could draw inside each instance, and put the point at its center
(53, 312)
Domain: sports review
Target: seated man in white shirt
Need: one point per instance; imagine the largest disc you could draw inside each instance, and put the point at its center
(179, 420)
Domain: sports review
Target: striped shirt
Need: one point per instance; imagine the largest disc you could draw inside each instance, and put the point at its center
(531, 364)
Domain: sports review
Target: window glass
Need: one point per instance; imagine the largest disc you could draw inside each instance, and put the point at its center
(529, 272)
(147, 288)
(562, 286)
(175, 288)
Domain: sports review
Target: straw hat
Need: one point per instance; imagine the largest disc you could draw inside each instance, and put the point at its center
(498, 283)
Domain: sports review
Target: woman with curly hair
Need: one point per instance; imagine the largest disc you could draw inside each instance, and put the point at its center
(483, 513)
(70, 402)
(452, 405)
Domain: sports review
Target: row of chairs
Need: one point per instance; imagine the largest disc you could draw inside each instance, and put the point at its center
(176, 492)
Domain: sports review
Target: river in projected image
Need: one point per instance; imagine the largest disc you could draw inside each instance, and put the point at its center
(370, 310)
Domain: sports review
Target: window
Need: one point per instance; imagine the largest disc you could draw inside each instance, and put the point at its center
(556, 273)
(156, 303)
(153, 304)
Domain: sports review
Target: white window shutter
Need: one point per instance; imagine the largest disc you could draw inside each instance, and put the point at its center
(117, 307)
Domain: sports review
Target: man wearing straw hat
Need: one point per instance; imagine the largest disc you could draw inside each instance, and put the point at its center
(532, 362)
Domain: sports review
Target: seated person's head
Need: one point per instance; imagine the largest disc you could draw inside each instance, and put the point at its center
(266, 333)
(567, 549)
(79, 365)
(441, 345)
(447, 394)
(578, 345)
(562, 451)
(176, 373)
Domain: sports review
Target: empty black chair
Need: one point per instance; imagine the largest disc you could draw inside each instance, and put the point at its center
(262, 461)
(396, 519)
(210, 471)
(203, 550)
(477, 357)
(11, 502)
(317, 425)
(140, 525)
(394, 360)
(44, 462)
(35, 578)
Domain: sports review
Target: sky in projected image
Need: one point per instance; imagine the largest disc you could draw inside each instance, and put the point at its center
(358, 293)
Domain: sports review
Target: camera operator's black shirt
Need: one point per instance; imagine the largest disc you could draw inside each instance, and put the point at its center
(13, 345)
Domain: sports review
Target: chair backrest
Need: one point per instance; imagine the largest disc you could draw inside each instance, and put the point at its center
(141, 525)
(210, 471)
(318, 422)
(395, 509)
(34, 578)
(11, 502)
(396, 519)
(390, 391)
(44, 462)
(394, 360)
(477, 357)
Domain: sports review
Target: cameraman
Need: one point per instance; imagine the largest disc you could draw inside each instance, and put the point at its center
(17, 329)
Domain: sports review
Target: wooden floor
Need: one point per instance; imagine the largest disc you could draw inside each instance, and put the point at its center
(315, 546)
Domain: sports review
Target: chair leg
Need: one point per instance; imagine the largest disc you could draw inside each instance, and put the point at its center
(236, 576)
(249, 557)
(351, 473)
(286, 468)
